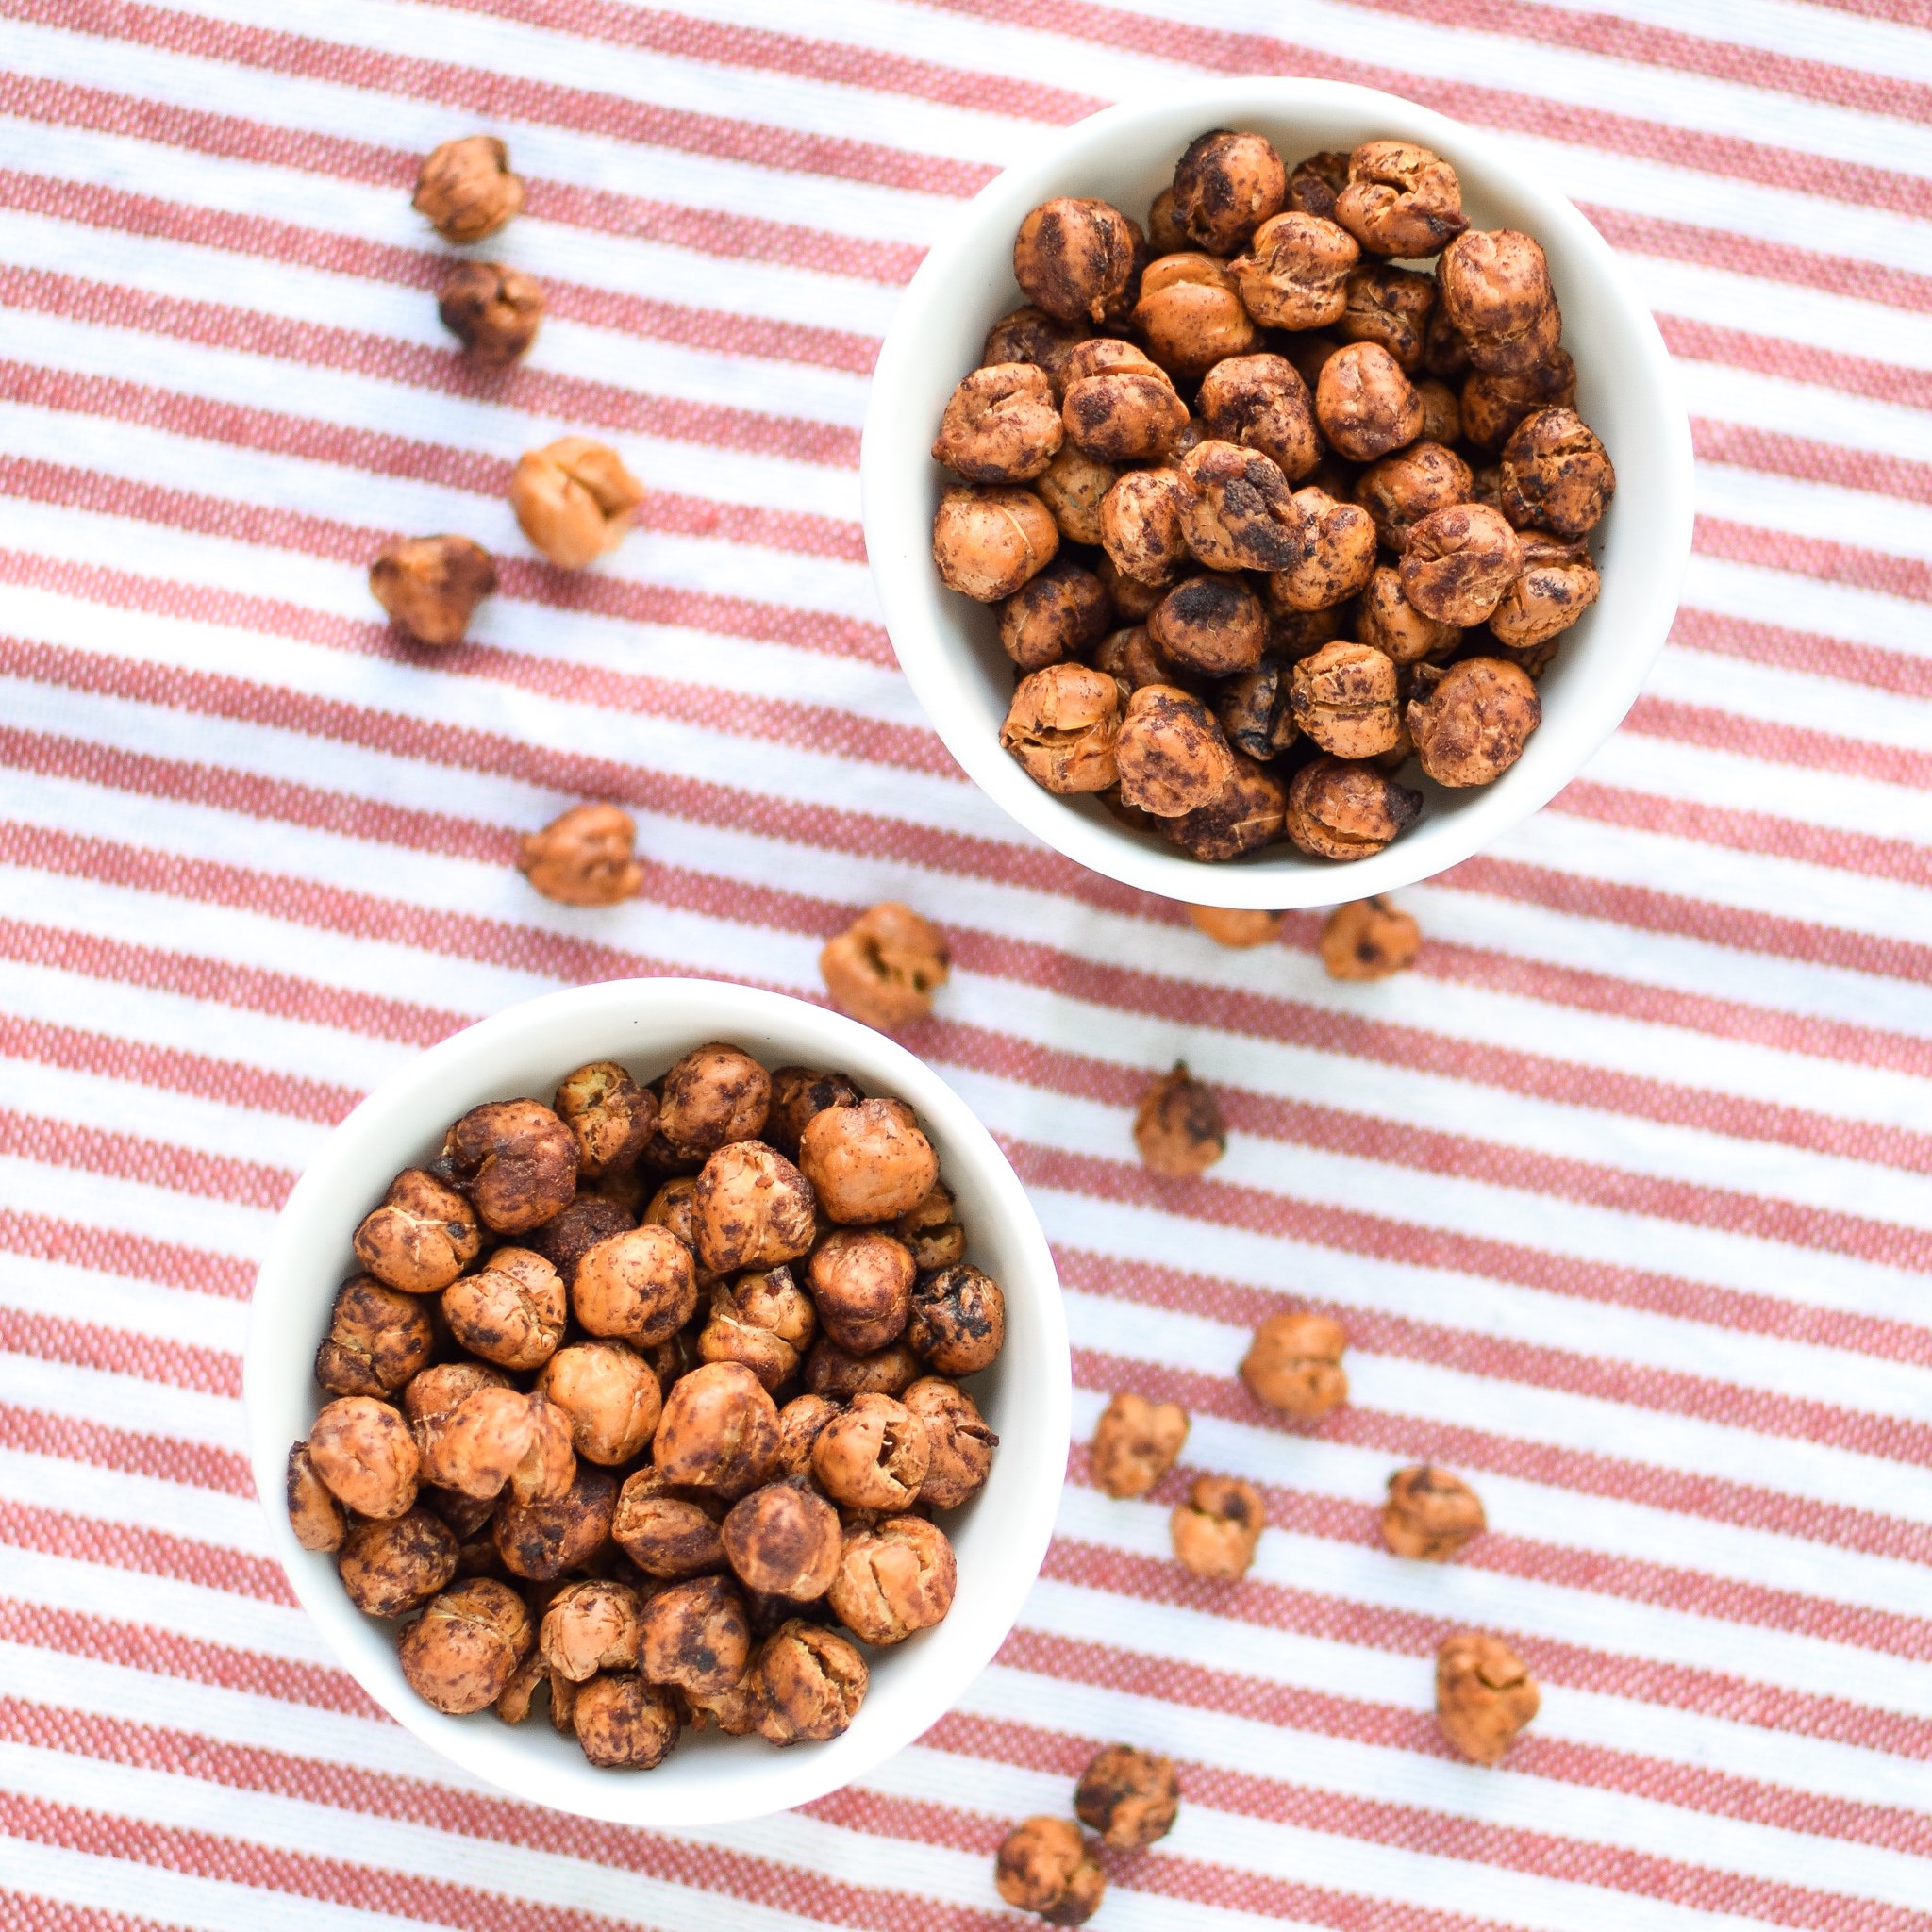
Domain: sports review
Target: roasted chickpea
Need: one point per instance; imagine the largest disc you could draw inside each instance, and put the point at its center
(1135, 1443)
(1369, 939)
(755, 1210)
(1130, 1798)
(1441, 412)
(465, 190)
(697, 1637)
(377, 1338)
(675, 1205)
(518, 1698)
(1165, 235)
(1253, 713)
(1216, 1529)
(1484, 1694)
(1123, 415)
(1315, 181)
(1556, 473)
(421, 1238)
(1340, 559)
(839, 1375)
(549, 1465)
(1400, 199)
(783, 1539)
(610, 1394)
(1493, 405)
(1179, 1126)
(733, 1713)
(583, 857)
(1225, 185)
(1494, 286)
(1241, 514)
(609, 1115)
(893, 1578)
(625, 1723)
(797, 1095)
(1458, 561)
(565, 1238)
(959, 1445)
(1364, 403)
(1056, 616)
(591, 1626)
(1044, 1866)
(1431, 1514)
(365, 1456)
(1293, 1364)
(516, 1160)
(1072, 487)
(1001, 425)
(431, 1399)
(1395, 628)
(1470, 721)
(1191, 316)
(1142, 528)
(542, 1540)
(314, 1514)
(988, 540)
(667, 1532)
(478, 1444)
(1079, 259)
(869, 1162)
(430, 585)
(1309, 354)
(958, 1321)
(874, 1455)
(1558, 585)
(1295, 272)
(492, 309)
(511, 1312)
(799, 1422)
(1031, 335)
(862, 1285)
(1344, 698)
(1261, 403)
(810, 1683)
(716, 1093)
(1398, 490)
(1213, 625)
(932, 1231)
(1237, 927)
(1337, 809)
(1244, 815)
(458, 1655)
(639, 1285)
(763, 1320)
(1170, 752)
(719, 1430)
(1388, 306)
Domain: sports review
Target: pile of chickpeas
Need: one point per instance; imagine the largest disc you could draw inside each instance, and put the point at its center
(1267, 516)
(649, 1401)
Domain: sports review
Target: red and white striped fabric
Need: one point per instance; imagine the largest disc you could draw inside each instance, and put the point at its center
(1622, 1194)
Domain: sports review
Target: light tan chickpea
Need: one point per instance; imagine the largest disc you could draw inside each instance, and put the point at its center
(764, 1322)
(783, 1539)
(625, 1723)
(591, 1626)
(1369, 939)
(1235, 927)
(988, 540)
(544, 1541)
(667, 1532)
(1390, 306)
(1396, 628)
(1398, 490)
(1216, 1529)
(1212, 623)
(719, 1430)
(610, 1394)
(1340, 808)
(611, 1116)
(1340, 556)
(1484, 1694)
(421, 1238)
(1400, 199)
(477, 1445)
(1001, 425)
(640, 1286)
(1225, 185)
(363, 1453)
(314, 1514)
(511, 1312)
(868, 1162)
(874, 1455)
(517, 1161)
(810, 1683)
(1135, 1443)
(1241, 513)
(377, 1338)
(1345, 699)
(1170, 752)
(1364, 403)
(959, 1445)
(893, 1577)
(1142, 527)
(1244, 815)
(1494, 286)
(1079, 259)
(1458, 561)
(1072, 487)
(458, 1655)
(1191, 316)
(1293, 1364)
(1295, 272)
(1556, 473)
(1470, 721)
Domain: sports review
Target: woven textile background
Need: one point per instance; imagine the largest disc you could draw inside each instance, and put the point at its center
(1621, 1194)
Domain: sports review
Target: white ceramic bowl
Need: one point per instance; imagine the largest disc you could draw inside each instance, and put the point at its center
(1001, 1535)
(1627, 390)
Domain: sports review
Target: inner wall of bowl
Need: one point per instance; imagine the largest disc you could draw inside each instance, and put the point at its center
(1588, 687)
(715, 1776)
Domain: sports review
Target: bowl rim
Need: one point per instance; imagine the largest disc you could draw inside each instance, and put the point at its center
(773, 1781)
(939, 673)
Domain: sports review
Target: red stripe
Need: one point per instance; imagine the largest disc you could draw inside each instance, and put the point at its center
(1894, 383)
(1774, 742)
(1771, 452)
(142, 1550)
(1815, 556)
(31, 1914)
(1901, 671)
(120, 1352)
(134, 1257)
(137, 1157)
(166, 1459)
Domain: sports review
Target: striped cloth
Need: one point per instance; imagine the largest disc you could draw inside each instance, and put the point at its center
(1620, 1194)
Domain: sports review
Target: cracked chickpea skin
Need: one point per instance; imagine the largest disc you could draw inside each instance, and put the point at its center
(429, 586)
(583, 857)
(573, 499)
(1293, 1364)
(1044, 1866)
(1136, 1443)
(989, 539)
(1216, 1531)
(886, 966)
(1062, 726)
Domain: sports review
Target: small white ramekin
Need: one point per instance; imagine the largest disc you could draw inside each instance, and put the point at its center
(1627, 390)
(1001, 1535)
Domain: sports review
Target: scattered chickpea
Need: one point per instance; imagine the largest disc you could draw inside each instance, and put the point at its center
(1431, 1514)
(583, 857)
(465, 188)
(494, 311)
(1216, 1529)
(1235, 927)
(1293, 1364)
(430, 585)
(885, 967)
(1136, 1443)
(1130, 1798)
(1179, 1126)
(1369, 939)
(573, 499)
(1484, 1694)
(1044, 1866)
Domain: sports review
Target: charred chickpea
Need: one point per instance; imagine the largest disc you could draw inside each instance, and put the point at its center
(1441, 412)
(1225, 185)
(1364, 403)
(1295, 272)
(1212, 624)
(1558, 585)
(885, 967)
(377, 1338)
(1340, 808)
(799, 1422)
(1369, 939)
(893, 1577)
(465, 190)
(545, 1540)
(517, 1162)
(610, 1117)
(1245, 814)
(430, 585)
(989, 539)
(583, 857)
(1431, 1514)
(492, 309)
(959, 1445)
(1493, 405)
(810, 1682)
(1458, 561)
(1315, 181)
(1396, 628)
(1044, 1866)
(1130, 1798)
(314, 1514)
(1484, 1694)
(664, 1531)
(565, 1238)
(1472, 720)
(783, 1539)
(1179, 1126)
(1001, 425)
(1136, 1443)
(1494, 286)
(1216, 1529)
(715, 1094)
(754, 1208)
(1031, 335)
(958, 1321)
(1261, 403)
(1400, 199)
(1235, 927)
(862, 1285)
(1293, 1364)
(1340, 556)
(764, 1321)
(1191, 316)
(421, 1238)
(460, 1652)
(1344, 699)
(873, 1457)
(573, 499)
(1388, 306)
(697, 1637)
(1143, 529)
(719, 1430)
(797, 1095)
(590, 1626)
(932, 1231)
(1072, 487)
(1398, 490)
(625, 1723)
(1556, 475)
(1169, 754)
(1253, 711)
(389, 1569)
(610, 1394)
(640, 1286)
(365, 1456)
(869, 1162)
(839, 1375)
(511, 1312)
(1054, 617)
(1125, 414)
(1079, 259)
